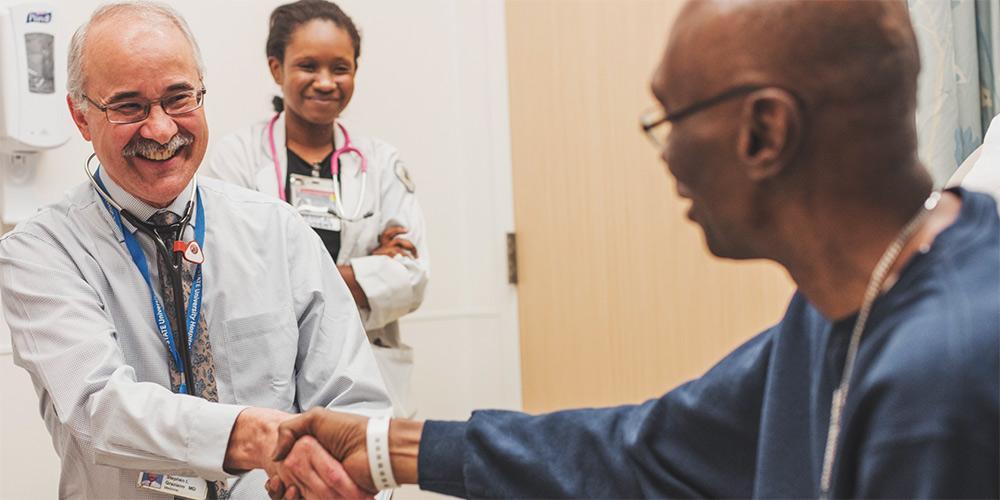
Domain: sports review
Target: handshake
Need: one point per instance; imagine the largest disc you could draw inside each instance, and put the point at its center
(325, 454)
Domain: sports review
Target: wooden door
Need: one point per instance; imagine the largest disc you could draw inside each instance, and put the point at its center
(619, 299)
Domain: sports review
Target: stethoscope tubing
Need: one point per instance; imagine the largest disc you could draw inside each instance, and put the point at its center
(334, 170)
(171, 257)
(145, 227)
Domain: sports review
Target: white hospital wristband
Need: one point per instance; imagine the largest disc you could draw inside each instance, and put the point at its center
(378, 453)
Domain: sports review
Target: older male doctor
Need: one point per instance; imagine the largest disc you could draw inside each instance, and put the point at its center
(169, 324)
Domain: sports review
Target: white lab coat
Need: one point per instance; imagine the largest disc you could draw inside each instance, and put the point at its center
(394, 286)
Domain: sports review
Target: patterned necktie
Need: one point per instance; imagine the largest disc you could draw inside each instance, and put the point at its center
(202, 381)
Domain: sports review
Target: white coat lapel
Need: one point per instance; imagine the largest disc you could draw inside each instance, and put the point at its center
(267, 180)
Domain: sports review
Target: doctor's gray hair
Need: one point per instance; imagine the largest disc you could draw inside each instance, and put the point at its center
(144, 10)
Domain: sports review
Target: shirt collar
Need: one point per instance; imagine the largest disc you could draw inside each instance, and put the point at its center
(140, 209)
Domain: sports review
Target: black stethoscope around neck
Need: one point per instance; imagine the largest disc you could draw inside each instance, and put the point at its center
(173, 258)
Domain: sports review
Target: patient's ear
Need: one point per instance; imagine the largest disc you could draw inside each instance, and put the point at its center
(770, 133)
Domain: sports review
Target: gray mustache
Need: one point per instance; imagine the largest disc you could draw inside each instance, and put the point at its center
(145, 147)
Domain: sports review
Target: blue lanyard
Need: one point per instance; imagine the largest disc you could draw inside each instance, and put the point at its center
(194, 300)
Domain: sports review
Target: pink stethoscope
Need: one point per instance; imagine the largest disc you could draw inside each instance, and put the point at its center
(334, 168)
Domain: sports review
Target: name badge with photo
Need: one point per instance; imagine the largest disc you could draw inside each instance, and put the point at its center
(194, 488)
(315, 199)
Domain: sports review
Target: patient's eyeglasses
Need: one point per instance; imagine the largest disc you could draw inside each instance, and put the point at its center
(656, 122)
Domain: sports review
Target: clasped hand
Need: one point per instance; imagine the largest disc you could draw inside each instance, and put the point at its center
(391, 243)
(321, 458)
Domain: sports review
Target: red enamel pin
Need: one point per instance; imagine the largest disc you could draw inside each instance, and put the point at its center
(192, 251)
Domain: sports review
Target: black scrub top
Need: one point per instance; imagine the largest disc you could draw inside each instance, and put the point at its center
(296, 165)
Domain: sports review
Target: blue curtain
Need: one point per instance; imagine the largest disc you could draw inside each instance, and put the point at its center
(988, 38)
(957, 88)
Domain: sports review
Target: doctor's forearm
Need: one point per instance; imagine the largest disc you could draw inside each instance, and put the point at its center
(347, 272)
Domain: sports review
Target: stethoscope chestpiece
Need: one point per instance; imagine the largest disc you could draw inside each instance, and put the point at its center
(334, 170)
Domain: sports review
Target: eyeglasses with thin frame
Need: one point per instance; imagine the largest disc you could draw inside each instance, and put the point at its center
(136, 110)
(655, 122)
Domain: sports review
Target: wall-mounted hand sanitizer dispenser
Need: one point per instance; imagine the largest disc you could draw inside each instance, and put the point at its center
(33, 114)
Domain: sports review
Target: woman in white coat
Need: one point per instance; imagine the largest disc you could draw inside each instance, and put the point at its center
(354, 191)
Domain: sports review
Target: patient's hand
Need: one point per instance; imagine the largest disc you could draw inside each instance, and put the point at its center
(337, 435)
(343, 436)
(308, 471)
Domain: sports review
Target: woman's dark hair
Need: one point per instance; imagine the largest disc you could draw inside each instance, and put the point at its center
(286, 18)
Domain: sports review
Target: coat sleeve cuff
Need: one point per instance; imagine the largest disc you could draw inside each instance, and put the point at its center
(441, 458)
(211, 428)
(366, 272)
(369, 273)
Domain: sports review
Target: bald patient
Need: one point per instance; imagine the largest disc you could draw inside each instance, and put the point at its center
(792, 135)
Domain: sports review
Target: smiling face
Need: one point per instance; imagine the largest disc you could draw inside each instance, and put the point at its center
(153, 159)
(317, 75)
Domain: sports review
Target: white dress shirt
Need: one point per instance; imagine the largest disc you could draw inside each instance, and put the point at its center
(284, 330)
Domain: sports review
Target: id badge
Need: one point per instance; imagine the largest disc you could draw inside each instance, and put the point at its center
(314, 197)
(194, 488)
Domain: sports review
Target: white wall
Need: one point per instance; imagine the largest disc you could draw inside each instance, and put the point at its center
(433, 82)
